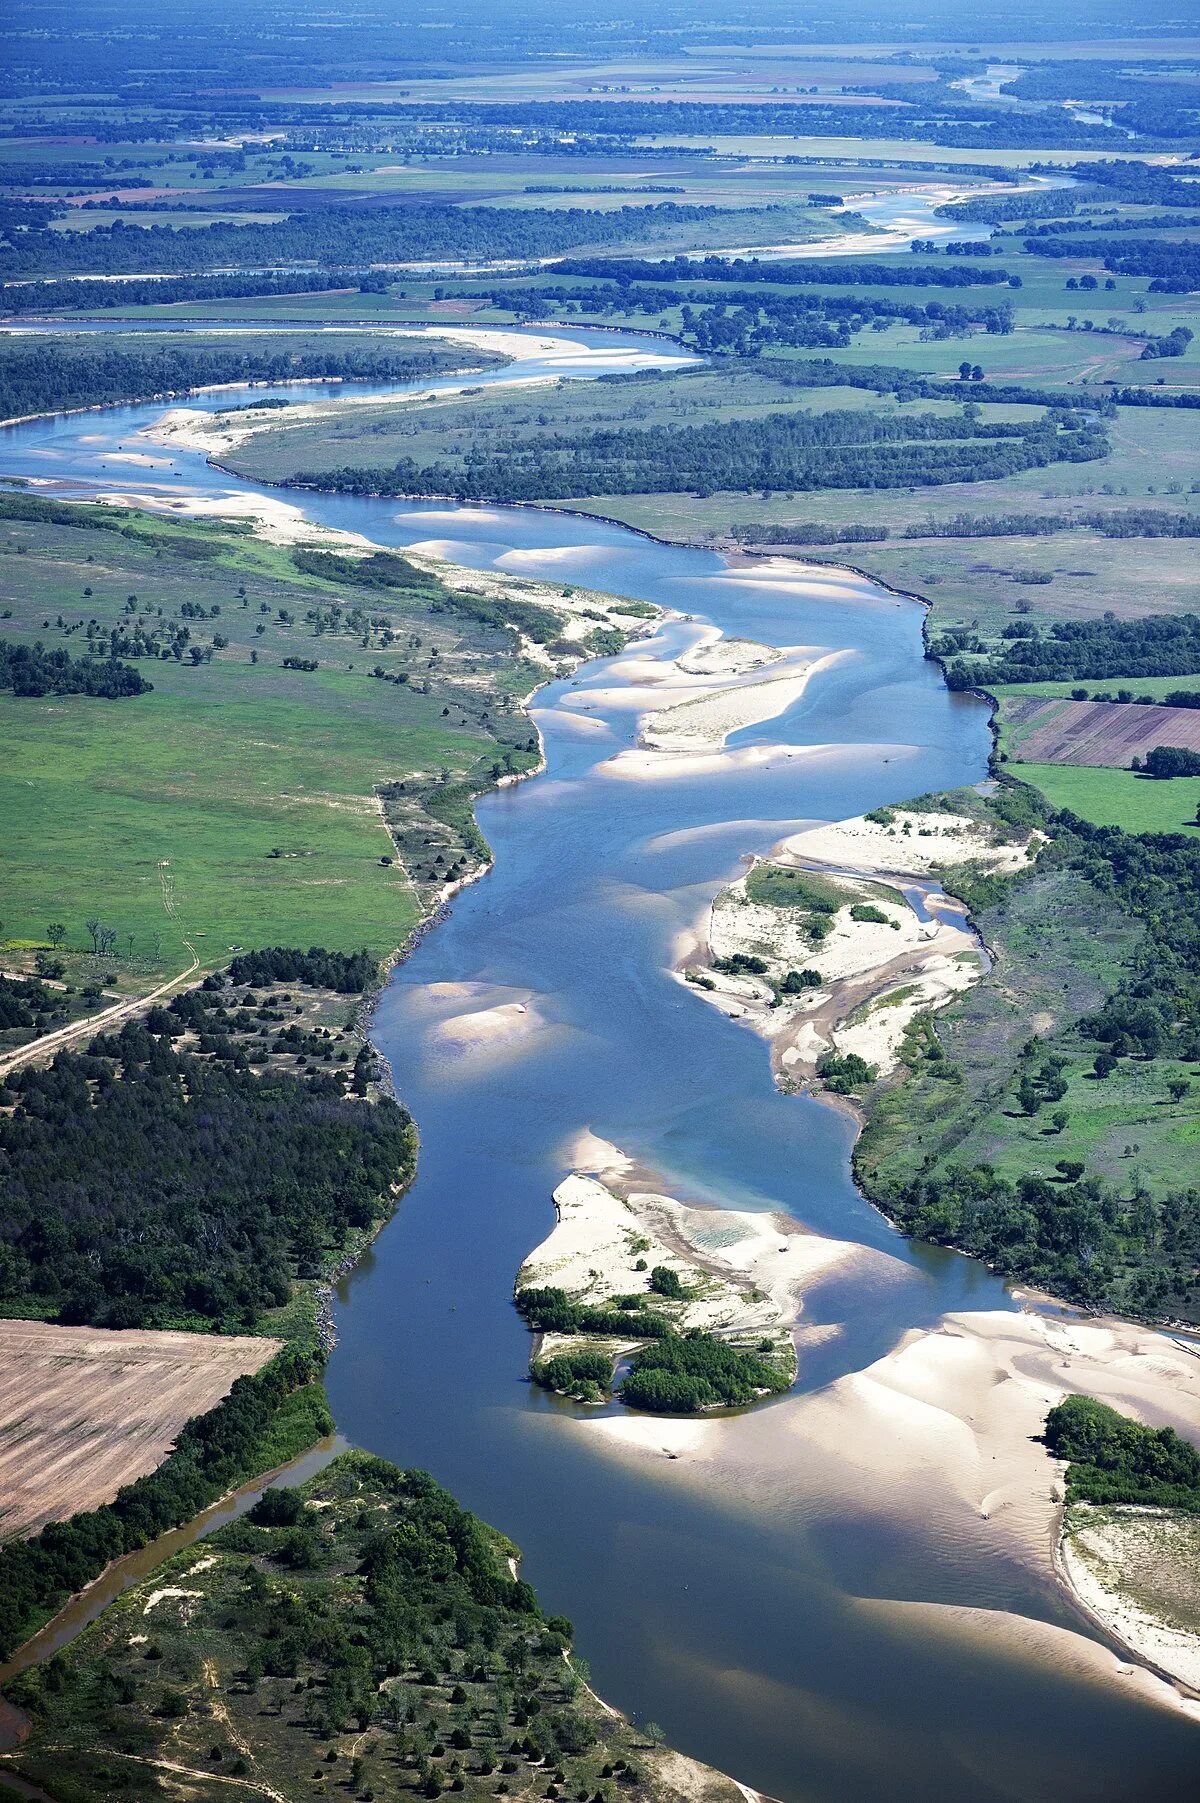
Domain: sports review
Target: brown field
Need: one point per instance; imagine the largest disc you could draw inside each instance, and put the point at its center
(84, 1410)
(1104, 733)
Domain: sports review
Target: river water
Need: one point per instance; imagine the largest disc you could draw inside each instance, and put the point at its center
(792, 1634)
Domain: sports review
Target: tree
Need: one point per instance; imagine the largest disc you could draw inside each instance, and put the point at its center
(56, 933)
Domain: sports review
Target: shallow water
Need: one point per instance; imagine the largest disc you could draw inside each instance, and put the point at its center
(758, 1628)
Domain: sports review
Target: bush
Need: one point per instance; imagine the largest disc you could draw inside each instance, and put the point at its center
(678, 1376)
(1116, 1460)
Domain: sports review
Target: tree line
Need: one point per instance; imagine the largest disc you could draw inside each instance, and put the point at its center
(804, 272)
(779, 452)
(349, 238)
(42, 374)
(31, 671)
(1116, 1460)
(265, 1420)
(1157, 645)
(1174, 267)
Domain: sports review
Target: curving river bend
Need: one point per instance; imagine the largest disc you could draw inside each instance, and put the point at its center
(787, 1621)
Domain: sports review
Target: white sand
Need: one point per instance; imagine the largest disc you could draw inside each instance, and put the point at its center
(643, 765)
(705, 722)
(715, 655)
(941, 1438)
(506, 1024)
(876, 977)
(914, 844)
(279, 522)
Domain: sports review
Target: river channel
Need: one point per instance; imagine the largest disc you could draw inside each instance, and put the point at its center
(803, 1634)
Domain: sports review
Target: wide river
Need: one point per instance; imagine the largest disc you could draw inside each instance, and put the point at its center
(807, 1636)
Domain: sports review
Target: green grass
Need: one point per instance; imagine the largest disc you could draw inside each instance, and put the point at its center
(1063, 947)
(1117, 797)
(159, 814)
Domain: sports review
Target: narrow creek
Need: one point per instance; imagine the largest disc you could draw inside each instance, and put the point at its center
(804, 1634)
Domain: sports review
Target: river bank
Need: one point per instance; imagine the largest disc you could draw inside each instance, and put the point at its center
(584, 897)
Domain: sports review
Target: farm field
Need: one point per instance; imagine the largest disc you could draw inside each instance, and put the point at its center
(84, 1410)
(1104, 733)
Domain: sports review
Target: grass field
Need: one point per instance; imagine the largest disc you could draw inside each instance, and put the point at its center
(1061, 948)
(161, 814)
(1117, 797)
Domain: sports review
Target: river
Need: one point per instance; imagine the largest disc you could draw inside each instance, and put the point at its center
(793, 1627)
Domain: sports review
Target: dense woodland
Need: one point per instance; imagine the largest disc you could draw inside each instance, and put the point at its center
(349, 238)
(672, 1373)
(779, 452)
(43, 374)
(1116, 1460)
(89, 297)
(156, 1180)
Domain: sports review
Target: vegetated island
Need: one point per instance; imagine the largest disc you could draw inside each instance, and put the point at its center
(820, 947)
(697, 1303)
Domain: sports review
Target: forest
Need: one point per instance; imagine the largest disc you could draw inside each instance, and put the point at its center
(346, 238)
(150, 1184)
(777, 452)
(1105, 648)
(39, 375)
(1116, 1460)
(154, 290)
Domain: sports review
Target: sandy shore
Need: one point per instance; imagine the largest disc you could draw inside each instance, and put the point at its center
(876, 975)
(1137, 1571)
(745, 1272)
(941, 1438)
(910, 842)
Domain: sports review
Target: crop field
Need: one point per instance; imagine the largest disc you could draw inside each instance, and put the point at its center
(84, 1410)
(1105, 733)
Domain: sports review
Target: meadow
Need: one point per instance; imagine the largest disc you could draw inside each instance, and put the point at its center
(236, 804)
